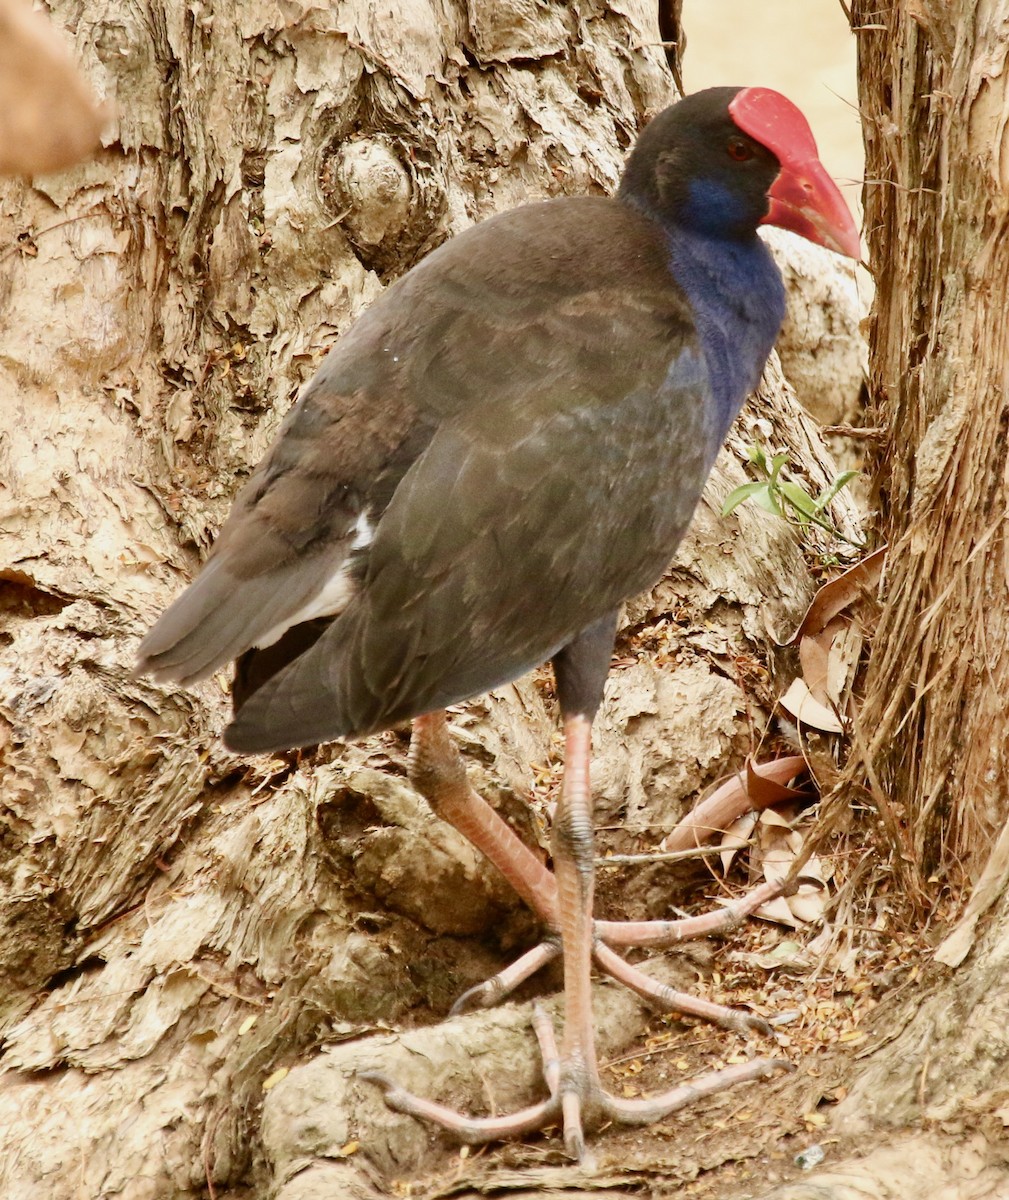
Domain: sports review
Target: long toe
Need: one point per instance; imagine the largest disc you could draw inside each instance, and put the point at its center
(667, 999)
(576, 1100)
(649, 1109)
(492, 991)
(472, 1131)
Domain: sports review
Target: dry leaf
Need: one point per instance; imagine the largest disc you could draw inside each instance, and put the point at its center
(736, 837)
(772, 817)
(808, 904)
(807, 710)
(765, 787)
(776, 861)
(731, 799)
(835, 596)
(786, 955)
(957, 944)
(777, 910)
(829, 658)
(774, 854)
(842, 660)
(814, 872)
(814, 655)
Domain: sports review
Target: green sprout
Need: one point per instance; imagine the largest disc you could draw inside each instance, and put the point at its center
(784, 497)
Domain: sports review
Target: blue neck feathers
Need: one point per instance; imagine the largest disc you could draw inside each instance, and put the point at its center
(738, 301)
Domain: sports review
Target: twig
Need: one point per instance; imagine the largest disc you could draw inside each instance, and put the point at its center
(621, 860)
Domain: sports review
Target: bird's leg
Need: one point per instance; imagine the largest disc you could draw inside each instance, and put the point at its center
(584, 1103)
(664, 933)
(573, 847)
(576, 1096)
(437, 771)
(686, 929)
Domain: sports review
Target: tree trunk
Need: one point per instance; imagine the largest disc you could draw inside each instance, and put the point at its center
(926, 1111)
(178, 924)
(934, 98)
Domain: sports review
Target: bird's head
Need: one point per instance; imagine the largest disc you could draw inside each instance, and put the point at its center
(726, 160)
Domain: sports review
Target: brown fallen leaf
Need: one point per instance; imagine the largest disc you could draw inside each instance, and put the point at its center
(834, 597)
(808, 904)
(778, 913)
(741, 792)
(842, 662)
(775, 848)
(766, 787)
(814, 658)
(807, 710)
(736, 837)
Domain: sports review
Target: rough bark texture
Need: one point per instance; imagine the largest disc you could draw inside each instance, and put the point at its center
(935, 98)
(177, 924)
(927, 1108)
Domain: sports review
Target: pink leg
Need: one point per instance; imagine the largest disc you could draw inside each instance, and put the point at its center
(494, 990)
(565, 902)
(438, 773)
(668, 933)
(666, 999)
(573, 846)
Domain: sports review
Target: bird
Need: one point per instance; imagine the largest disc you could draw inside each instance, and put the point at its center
(507, 445)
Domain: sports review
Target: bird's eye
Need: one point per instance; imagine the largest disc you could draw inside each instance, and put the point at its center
(739, 150)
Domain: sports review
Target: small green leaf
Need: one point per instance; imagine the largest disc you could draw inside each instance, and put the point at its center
(738, 495)
(757, 456)
(786, 499)
(767, 498)
(829, 493)
(798, 498)
(777, 463)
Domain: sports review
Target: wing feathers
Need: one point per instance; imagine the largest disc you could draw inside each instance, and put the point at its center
(221, 615)
(514, 448)
(471, 580)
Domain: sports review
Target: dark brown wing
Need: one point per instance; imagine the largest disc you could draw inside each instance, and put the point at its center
(283, 554)
(499, 547)
(546, 311)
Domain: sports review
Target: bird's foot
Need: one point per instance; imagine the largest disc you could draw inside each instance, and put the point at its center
(576, 1099)
(637, 933)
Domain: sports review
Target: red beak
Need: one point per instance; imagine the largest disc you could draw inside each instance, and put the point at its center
(803, 198)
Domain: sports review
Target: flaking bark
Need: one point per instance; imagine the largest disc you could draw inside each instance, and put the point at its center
(935, 93)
